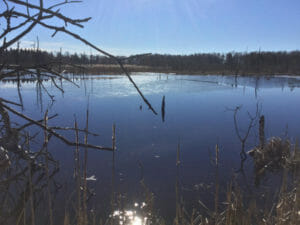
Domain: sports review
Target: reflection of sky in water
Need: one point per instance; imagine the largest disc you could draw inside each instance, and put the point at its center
(197, 116)
(116, 85)
(156, 84)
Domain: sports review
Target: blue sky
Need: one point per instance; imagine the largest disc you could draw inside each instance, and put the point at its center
(126, 27)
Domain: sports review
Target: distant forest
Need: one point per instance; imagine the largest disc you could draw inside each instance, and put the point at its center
(230, 63)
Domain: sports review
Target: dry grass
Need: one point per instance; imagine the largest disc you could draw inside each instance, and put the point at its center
(275, 155)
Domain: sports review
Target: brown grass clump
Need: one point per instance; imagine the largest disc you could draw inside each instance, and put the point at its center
(275, 155)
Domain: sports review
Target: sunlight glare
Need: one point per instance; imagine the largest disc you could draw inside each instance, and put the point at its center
(136, 221)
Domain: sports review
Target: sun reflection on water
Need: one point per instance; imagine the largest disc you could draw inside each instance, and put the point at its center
(131, 216)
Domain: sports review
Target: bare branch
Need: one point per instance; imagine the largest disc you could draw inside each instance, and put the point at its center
(51, 131)
(22, 34)
(75, 22)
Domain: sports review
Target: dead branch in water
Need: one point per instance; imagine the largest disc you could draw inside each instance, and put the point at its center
(243, 138)
(51, 131)
(163, 105)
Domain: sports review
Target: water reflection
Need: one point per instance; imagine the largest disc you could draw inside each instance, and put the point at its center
(196, 113)
(154, 84)
(130, 217)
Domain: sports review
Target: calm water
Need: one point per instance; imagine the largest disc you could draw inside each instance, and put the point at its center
(198, 116)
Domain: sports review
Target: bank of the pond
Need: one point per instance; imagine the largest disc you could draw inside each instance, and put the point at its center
(113, 69)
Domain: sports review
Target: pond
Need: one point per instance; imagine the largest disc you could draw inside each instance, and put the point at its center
(199, 115)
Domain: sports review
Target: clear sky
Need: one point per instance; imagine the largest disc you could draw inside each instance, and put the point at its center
(126, 27)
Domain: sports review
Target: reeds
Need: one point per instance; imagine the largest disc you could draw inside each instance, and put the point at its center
(241, 207)
(277, 154)
(46, 139)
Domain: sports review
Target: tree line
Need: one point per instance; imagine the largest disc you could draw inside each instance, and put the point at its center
(233, 62)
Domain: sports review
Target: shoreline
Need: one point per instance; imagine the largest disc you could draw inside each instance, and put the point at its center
(113, 69)
(116, 70)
